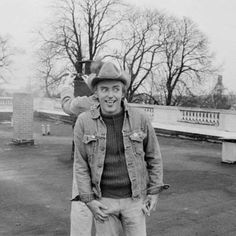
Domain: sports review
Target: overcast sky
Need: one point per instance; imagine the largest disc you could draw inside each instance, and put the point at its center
(216, 18)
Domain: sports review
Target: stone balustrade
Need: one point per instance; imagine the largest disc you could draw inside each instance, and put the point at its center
(219, 120)
(200, 117)
(148, 109)
(6, 104)
(213, 119)
(5, 101)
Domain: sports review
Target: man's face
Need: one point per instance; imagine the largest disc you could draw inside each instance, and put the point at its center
(110, 94)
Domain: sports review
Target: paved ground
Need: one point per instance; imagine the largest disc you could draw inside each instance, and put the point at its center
(35, 187)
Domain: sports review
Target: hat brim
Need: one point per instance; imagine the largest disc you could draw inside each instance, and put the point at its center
(94, 80)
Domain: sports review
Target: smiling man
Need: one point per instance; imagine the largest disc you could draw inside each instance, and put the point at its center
(117, 164)
(110, 94)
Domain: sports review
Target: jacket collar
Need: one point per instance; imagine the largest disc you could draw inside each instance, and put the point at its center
(95, 109)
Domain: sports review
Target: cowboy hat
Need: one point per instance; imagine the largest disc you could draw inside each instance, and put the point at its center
(106, 71)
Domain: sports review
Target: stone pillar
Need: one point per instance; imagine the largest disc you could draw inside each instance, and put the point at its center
(229, 150)
(22, 118)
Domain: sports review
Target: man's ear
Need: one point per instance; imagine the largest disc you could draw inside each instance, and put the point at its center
(124, 92)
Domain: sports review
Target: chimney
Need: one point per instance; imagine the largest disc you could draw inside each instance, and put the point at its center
(22, 118)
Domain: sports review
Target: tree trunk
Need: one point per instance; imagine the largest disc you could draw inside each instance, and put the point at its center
(169, 98)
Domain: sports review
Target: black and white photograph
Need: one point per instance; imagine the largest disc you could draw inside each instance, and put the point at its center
(117, 118)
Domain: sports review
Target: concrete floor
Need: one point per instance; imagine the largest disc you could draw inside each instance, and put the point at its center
(35, 187)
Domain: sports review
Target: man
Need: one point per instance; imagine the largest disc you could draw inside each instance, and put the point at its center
(81, 218)
(74, 105)
(117, 163)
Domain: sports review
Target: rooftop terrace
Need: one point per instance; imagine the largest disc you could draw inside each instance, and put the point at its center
(35, 186)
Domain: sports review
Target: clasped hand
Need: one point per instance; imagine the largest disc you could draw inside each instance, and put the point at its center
(97, 208)
(100, 211)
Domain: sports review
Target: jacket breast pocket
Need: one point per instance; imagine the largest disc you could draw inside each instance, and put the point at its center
(90, 142)
(137, 138)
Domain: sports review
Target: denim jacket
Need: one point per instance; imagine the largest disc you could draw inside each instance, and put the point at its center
(142, 153)
(76, 105)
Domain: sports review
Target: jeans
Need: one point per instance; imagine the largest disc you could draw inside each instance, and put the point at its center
(81, 219)
(124, 215)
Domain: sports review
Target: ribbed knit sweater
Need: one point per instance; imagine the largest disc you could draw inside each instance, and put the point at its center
(115, 182)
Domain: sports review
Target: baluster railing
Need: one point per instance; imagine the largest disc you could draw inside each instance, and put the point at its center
(150, 112)
(200, 117)
(148, 109)
(5, 101)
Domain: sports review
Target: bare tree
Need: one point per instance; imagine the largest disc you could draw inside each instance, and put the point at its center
(82, 28)
(5, 55)
(101, 17)
(50, 70)
(185, 59)
(171, 52)
(140, 43)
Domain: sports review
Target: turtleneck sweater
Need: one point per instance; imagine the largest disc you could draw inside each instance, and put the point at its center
(115, 182)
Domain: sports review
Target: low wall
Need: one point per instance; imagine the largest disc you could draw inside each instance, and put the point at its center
(6, 104)
(221, 120)
(214, 119)
(228, 120)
